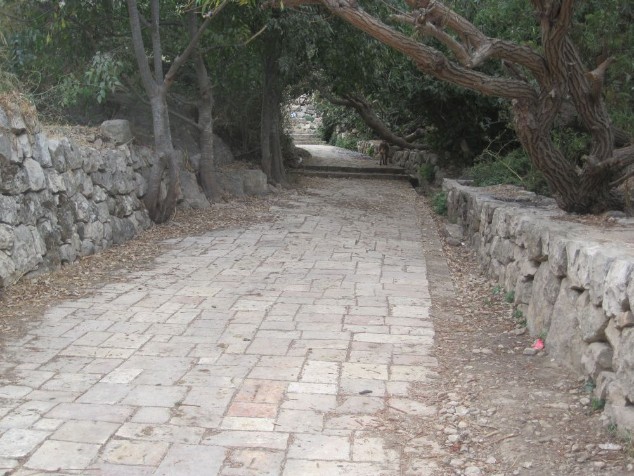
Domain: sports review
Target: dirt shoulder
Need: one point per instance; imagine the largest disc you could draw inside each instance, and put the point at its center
(504, 409)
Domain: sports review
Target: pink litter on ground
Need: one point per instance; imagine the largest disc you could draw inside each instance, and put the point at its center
(538, 345)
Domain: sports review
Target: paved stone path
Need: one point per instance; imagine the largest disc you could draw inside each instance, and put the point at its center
(276, 349)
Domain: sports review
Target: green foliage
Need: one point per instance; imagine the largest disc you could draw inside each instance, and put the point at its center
(512, 168)
(427, 172)
(497, 289)
(518, 315)
(509, 296)
(345, 142)
(597, 404)
(439, 203)
(103, 75)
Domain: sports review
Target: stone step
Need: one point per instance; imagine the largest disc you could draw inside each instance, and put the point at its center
(356, 175)
(342, 168)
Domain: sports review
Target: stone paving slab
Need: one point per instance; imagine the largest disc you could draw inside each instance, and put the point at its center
(274, 349)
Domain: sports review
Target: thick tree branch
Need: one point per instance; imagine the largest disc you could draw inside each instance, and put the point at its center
(184, 56)
(365, 111)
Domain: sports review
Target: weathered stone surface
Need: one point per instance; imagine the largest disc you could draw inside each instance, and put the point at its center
(117, 130)
(615, 296)
(9, 207)
(58, 158)
(7, 270)
(54, 181)
(592, 320)
(624, 319)
(597, 358)
(564, 337)
(83, 210)
(558, 256)
(625, 362)
(6, 149)
(28, 249)
(545, 285)
(231, 183)
(193, 197)
(30, 210)
(6, 237)
(35, 175)
(254, 182)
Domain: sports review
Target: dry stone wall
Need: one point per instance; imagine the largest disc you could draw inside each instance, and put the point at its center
(60, 200)
(573, 282)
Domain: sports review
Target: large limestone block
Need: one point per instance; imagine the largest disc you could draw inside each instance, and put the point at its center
(7, 236)
(193, 196)
(9, 206)
(544, 295)
(28, 249)
(231, 183)
(564, 336)
(589, 267)
(117, 130)
(7, 270)
(615, 295)
(596, 359)
(558, 256)
(254, 182)
(592, 320)
(625, 362)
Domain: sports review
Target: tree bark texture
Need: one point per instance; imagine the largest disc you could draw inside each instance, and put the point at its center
(271, 117)
(558, 77)
(206, 169)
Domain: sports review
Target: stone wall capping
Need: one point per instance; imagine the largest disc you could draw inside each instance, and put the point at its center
(574, 280)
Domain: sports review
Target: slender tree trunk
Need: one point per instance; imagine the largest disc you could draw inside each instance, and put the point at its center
(207, 168)
(271, 123)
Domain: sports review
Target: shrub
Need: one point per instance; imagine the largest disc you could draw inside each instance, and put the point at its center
(439, 203)
(513, 168)
(427, 173)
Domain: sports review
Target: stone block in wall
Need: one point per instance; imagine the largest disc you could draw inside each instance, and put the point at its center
(615, 295)
(92, 231)
(117, 130)
(6, 146)
(624, 319)
(58, 158)
(7, 237)
(502, 250)
(592, 320)
(140, 185)
(523, 291)
(625, 362)
(41, 153)
(588, 269)
(558, 256)
(8, 273)
(30, 210)
(24, 149)
(83, 210)
(54, 181)
(122, 230)
(28, 250)
(564, 336)
(511, 275)
(602, 382)
(596, 359)
(125, 205)
(99, 194)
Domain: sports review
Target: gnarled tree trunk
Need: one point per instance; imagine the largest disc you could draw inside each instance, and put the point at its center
(558, 75)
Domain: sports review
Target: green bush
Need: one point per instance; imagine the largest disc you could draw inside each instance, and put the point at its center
(513, 168)
(427, 173)
(345, 142)
(439, 203)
